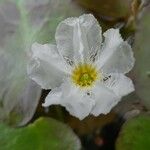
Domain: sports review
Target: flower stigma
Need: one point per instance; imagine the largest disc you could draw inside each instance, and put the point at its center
(85, 75)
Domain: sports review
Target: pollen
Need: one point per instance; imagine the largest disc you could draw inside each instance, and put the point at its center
(85, 75)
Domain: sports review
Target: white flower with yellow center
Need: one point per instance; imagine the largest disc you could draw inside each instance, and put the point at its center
(86, 76)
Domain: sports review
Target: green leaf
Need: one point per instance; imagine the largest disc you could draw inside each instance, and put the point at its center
(108, 9)
(135, 134)
(142, 55)
(43, 134)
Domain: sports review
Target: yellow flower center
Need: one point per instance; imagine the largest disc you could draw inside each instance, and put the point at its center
(84, 75)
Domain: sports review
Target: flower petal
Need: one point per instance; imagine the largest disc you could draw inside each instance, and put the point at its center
(116, 55)
(73, 99)
(79, 38)
(46, 67)
(120, 84)
(53, 98)
(105, 100)
(76, 101)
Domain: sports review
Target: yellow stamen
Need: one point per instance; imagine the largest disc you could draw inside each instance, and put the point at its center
(84, 75)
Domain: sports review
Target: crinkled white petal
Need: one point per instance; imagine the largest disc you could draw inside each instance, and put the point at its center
(120, 84)
(46, 67)
(116, 55)
(105, 100)
(76, 101)
(79, 38)
(53, 98)
(72, 98)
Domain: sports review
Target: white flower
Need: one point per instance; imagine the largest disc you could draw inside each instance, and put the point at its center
(86, 76)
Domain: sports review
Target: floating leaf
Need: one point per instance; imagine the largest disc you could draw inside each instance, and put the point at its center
(43, 134)
(108, 9)
(135, 134)
(142, 53)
